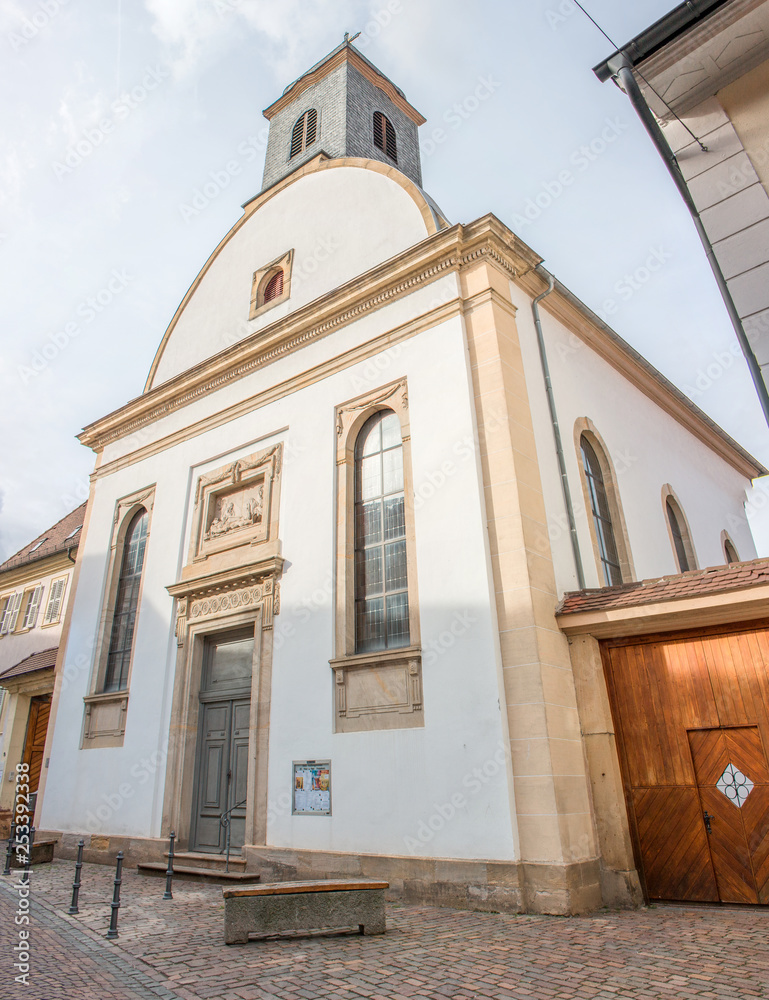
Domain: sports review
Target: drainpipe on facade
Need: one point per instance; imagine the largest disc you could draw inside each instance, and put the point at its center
(622, 74)
(554, 421)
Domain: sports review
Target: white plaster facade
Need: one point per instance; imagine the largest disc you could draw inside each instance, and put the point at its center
(393, 298)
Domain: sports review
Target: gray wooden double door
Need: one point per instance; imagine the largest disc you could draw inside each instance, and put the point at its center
(221, 782)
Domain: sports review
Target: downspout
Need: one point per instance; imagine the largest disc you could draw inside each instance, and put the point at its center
(620, 67)
(556, 429)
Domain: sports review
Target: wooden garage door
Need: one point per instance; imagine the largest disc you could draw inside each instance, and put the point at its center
(691, 714)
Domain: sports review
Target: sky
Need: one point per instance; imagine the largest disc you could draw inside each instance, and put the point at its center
(118, 121)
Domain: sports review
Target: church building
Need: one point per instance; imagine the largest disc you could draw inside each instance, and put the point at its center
(351, 561)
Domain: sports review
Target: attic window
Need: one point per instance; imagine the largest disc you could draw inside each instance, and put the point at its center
(271, 284)
(384, 136)
(73, 533)
(274, 287)
(305, 132)
(37, 546)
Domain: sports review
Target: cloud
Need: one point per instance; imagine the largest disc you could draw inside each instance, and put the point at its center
(195, 30)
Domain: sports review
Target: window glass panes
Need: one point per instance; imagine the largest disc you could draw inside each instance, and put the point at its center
(229, 664)
(678, 538)
(607, 545)
(381, 579)
(126, 604)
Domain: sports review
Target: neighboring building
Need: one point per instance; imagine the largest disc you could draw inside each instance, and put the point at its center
(326, 545)
(35, 586)
(703, 70)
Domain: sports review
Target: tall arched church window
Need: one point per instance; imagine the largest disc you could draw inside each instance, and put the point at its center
(126, 604)
(730, 551)
(384, 136)
(678, 533)
(602, 517)
(305, 132)
(381, 587)
(274, 287)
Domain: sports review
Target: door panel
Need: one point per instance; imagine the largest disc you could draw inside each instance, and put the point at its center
(685, 707)
(674, 844)
(713, 750)
(34, 744)
(222, 774)
(239, 767)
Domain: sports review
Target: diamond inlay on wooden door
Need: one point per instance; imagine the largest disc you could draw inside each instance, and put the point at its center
(735, 785)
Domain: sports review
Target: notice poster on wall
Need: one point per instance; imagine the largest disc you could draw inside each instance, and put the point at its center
(312, 788)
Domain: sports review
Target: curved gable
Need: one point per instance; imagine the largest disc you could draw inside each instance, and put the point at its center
(337, 218)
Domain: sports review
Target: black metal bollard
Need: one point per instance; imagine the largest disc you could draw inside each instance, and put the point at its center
(28, 862)
(170, 870)
(76, 884)
(9, 850)
(112, 932)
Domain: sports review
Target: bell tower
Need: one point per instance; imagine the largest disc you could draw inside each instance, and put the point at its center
(342, 106)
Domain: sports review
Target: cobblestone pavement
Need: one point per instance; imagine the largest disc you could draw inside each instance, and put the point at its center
(174, 950)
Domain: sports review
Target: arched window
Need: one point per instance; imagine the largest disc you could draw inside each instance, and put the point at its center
(126, 603)
(730, 551)
(305, 132)
(679, 534)
(384, 136)
(274, 287)
(381, 587)
(601, 510)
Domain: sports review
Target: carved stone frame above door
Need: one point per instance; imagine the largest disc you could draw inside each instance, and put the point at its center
(205, 606)
(237, 505)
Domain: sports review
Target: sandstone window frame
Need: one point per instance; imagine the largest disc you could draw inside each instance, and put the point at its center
(105, 712)
(379, 689)
(671, 502)
(728, 543)
(584, 427)
(261, 279)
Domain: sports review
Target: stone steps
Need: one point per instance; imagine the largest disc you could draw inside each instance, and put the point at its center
(158, 868)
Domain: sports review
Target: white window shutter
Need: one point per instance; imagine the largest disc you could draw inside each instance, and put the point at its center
(11, 612)
(3, 612)
(33, 606)
(53, 610)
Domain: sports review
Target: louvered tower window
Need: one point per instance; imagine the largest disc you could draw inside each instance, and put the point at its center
(384, 136)
(126, 604)
(381, 587)
(274, 287)
(305, 132)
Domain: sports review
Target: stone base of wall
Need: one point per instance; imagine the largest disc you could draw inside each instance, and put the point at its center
(492, 886)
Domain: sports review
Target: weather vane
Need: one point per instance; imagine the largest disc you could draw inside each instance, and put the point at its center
(347, 37)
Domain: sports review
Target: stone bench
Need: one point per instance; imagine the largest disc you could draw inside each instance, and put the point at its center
(303, 906)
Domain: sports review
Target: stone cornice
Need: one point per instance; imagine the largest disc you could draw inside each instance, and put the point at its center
(445, 251)
(241, 576)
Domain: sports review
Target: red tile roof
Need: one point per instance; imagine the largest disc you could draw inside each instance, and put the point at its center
(37, 661)
(55, 539)
(695, 583)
